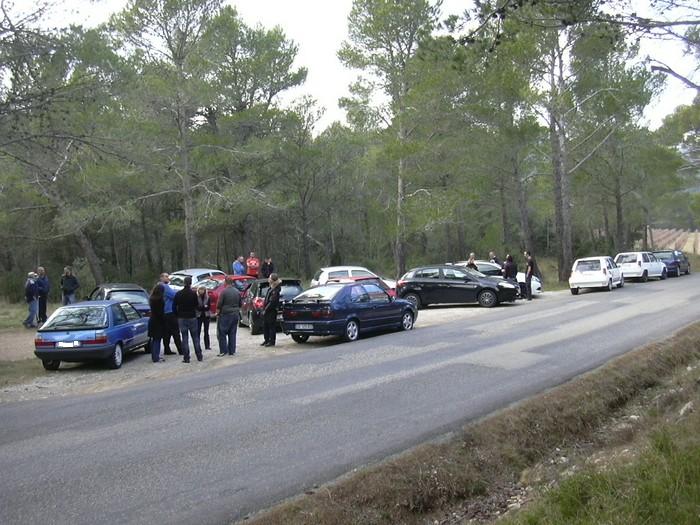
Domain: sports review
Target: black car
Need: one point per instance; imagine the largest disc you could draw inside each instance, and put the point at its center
(453, 284)
(346, 309)
(253, 301)
(129, 292)
(675, 260)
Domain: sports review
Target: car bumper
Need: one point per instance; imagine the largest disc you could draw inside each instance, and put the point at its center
(631, 273)
(333, 327)
(75, 355)
(588, 283)
(507, 295)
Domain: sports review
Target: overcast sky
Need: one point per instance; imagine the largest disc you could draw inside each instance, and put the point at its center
(319, 26)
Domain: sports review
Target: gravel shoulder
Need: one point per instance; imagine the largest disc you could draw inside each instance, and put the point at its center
(87, 378)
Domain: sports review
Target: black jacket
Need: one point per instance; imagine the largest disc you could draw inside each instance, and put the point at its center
(267, 269)
(272, 302)
(69, 284)
(185, 304)
(156, 323)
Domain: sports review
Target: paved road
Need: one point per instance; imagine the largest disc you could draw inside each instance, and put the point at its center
(210, 448)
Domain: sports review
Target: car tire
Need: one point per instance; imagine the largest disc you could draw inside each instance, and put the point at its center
(574, 291)
(407, 321)
(664, 274)
(622, 282)
(115, 360)
(254, 329)
(352, 330)
(609, 288)
(687, 272)
(50, 364)
(645, 277)
(300, 338)
(488, 298)
(413, 298)
(678, 271)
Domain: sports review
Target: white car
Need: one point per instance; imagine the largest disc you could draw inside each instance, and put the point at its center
(341, 273)
(177, 279)
(595, 272)
(493, 270)
(640, 265)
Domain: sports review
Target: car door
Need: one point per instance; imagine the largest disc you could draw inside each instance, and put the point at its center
(120, 330)
(614, 270)
(385, 311)
(426, 282)
(137, 324)
(459, 286)
(359, 306)
(656, 267)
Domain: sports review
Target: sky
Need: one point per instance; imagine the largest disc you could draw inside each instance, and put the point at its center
(319, 28)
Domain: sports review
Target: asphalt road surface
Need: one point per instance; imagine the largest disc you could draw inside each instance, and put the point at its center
(211, 448)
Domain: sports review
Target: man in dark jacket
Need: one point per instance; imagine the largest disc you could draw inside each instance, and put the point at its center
(267, 268)
(30, 296)
(171, 327)
(185, 307)
(228, 309)
(43, 287)
(69, 285)
(272, 302)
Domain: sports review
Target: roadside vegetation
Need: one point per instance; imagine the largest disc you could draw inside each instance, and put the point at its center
(476, 474)
(17, 372)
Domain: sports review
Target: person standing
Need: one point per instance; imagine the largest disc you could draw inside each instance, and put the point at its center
(156, 322)
(171, 326)
(272, 302)
(530, 271)
(185, 307)
(494, 259)
(239, 266)
(69, 285)
(510, 272)
(252, 265)
(267, 268)
(43, 288)
(228, 307)
(203, 315)
(30, 295)
(471, 262)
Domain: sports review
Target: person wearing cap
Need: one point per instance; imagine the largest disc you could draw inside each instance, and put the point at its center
(30, 294)
(272, 302)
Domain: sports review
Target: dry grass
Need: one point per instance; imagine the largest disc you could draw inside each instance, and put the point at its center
(16, 372)
(430, 479)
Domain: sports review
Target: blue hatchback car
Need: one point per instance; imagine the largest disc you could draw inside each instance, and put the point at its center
(91, 331)
(345, 310)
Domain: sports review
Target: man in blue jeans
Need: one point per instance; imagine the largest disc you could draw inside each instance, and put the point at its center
(185, 307)
(228, 307)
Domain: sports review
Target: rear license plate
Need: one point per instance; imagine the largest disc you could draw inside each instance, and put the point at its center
(304, 326)
(67, 344)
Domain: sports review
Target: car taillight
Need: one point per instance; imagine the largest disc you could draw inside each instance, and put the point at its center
(326, 313)
(258, 302)
(289, 313)
(99, 340)
(40, 343)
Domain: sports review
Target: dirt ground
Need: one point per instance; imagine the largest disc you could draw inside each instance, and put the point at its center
(137, 368)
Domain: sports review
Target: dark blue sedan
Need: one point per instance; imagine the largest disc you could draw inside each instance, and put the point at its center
(345, 310)
(91, 331)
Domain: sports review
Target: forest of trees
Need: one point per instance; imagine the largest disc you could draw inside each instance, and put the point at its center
(158, 141)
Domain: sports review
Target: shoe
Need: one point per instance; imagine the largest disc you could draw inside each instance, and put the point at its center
(185, 360)
(169, 352)
(221, 354)
(270, 344)
(233, 354)
(207, 348)
(264, 343)
(199, 358)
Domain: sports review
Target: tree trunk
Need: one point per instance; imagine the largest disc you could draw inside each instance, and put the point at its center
(91, 256)
(504, 212)
(619, 218)
(146, 241)
(182, 121)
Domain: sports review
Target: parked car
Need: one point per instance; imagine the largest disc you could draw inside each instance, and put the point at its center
(91, 331)
(132, 293)
(254, 300)
(216, 283)
(675, 260)
(453, 284)
(177, 279)
(347, 310)
(595, 272)
(493, 270)
(340, 272)
(640, 265)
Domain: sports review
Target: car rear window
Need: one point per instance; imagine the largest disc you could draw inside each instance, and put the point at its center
(177, 280)
(627, 258)
(338, 274)
(131, 296)
(362, 273)
(208, 284)
(588, 266)
(76, 318)
(319, 293)
(664, 256)
(290, 291)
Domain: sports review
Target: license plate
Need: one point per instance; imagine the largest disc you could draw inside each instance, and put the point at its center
(67, 344)
(304, 326)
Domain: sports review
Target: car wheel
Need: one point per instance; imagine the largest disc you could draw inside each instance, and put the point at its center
(687, 272)
(487, 298)
(645, 277)
(664, 274)
(254, 329)
(610, 286)
(300, 338)
(51, 364)
(352, 330)
(115, 360)
(678, 271)
(147, 347)
(574, 291)
(622, 282)
(407, 321)
(413, 298)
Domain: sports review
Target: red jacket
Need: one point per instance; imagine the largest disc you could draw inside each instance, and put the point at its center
(252, 266)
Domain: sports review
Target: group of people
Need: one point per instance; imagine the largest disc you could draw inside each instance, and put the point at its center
(252, 266)
(36, 293)
(509, 269)
(185, 314)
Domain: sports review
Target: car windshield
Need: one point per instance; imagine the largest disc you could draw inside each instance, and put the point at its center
(290, 291)
(177, 280)
(319, 293)
(130, 296)
(77, 317)
(627, 258)
(664, 256)
(588, 266)
(209, 284)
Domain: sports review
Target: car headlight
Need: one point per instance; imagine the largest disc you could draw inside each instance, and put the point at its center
(506, 285)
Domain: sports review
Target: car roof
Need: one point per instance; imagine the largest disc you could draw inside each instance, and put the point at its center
(108, 302)
(593, 258)
(194, 271)
(281, 279)
(337, 268)
(121, 286)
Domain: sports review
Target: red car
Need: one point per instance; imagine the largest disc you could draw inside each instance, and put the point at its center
(215, 284)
